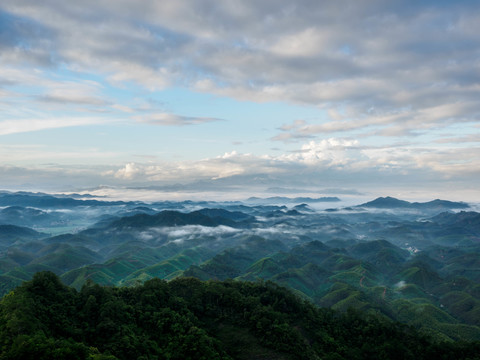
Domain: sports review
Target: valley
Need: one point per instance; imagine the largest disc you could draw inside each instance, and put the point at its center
(416, 263)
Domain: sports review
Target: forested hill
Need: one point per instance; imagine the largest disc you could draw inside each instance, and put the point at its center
(190, 319)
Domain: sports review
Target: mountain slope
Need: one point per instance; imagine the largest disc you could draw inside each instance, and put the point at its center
(175, 218)
(189, 319)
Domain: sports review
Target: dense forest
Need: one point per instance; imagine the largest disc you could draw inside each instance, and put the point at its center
(191, 319)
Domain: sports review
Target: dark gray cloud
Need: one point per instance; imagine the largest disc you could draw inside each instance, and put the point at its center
(236, 44)
(25, 40)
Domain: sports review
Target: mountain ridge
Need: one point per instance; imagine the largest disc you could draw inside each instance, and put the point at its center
(389, 202)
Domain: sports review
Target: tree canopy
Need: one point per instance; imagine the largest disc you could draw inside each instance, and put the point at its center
(191, 319)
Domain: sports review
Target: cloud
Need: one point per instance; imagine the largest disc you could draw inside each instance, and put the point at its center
(473, 138)
(76, 93)
(415, 65)
(197, 230)
(48, 177)
(123, 108)
(376, 70)
(314, 46)
(166, 119)
(15, 35)
(34, 124)
(315, 164)
(222, 166)
(329, 152)
(399, 123)
(38, 101)
(128, 172)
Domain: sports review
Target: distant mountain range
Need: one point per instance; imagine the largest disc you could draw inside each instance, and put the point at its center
(288, 200)
(49, 201)
(393, 203)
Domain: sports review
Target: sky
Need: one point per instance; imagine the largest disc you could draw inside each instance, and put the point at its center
(205, 98)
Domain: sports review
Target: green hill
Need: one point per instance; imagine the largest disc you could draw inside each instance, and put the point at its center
(175, 218)
(235, 261)
(67, 257)
(420, 274)
(11, 233)
(190, 319)
(169, 268)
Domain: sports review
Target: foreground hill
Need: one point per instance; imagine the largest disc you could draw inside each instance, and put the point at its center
(190, 319)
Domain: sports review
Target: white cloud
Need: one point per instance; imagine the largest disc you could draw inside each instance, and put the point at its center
(167, 119)
(76, 96)
(130, 171)
(35, 124)
(123, 108)
(345, 157)
(398, 123)
(329, 152)
(320, 164)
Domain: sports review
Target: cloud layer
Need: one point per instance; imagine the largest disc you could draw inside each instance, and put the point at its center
(396, 84)
(399, 59)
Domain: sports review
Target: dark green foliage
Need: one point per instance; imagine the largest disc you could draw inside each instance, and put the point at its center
(190, 319)
(233, 262)
(225, 214)
(173, 218)
(9, 234)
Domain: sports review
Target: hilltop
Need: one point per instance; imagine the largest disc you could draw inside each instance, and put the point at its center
(393, 203)
(190, 319)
